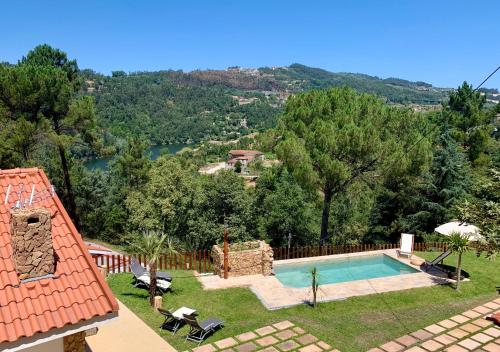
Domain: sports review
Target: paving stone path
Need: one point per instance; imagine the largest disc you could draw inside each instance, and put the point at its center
(283, 336)
(465, 332)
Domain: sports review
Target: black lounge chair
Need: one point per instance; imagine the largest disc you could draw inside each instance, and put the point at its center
(162, 286)
(437, 260)
(138, 270)
(171, 323)
(199, 331)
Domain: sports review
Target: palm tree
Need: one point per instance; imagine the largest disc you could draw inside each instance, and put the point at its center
(152, 244)
(458, 243)
(314, 285)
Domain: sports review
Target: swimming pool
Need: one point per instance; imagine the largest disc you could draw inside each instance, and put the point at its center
(337, 270)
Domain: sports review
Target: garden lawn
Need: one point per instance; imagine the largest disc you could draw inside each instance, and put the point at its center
(355, 324)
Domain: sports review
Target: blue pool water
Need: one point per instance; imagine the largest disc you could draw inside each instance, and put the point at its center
(341, 270)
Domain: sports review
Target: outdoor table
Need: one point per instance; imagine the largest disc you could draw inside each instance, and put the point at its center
(179, 313)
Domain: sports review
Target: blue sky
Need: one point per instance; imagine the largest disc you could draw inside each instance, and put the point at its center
(440, 42)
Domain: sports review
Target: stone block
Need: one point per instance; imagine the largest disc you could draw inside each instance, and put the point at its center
(32, 249)
(75, 342)
(248, 258)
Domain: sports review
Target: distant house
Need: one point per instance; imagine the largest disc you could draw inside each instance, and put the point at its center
(97, 249)
(51, 293)
(245, 157)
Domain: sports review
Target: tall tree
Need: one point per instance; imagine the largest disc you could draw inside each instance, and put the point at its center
(41, 90)
(483, 210)
(286, 214)
(467, 114)
(336, 137)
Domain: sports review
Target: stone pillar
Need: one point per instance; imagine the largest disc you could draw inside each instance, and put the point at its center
(158, 302)
(33, 253)
(75, 342)
(248, 258)
(104, 271)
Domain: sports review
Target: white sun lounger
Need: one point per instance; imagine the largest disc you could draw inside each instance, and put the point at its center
(406, 245)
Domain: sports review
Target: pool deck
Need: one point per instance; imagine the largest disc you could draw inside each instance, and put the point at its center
(274, 295)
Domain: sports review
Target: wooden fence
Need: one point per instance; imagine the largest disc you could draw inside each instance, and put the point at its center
(316, 251)
(196, 260)
(201, 261)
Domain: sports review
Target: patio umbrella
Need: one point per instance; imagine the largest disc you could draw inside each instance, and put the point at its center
(462, 228)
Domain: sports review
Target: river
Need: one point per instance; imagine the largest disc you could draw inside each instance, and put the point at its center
(155, 152)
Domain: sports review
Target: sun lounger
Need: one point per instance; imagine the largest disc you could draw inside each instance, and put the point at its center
(440, 258)
(161, 285)
(175, 320)
(495, 318)
(199, 331)
(139, 270)
(406, 245)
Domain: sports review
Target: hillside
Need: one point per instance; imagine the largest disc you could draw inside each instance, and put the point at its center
(175, 106)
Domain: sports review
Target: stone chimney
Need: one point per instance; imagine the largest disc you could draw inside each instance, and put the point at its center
(33, 253)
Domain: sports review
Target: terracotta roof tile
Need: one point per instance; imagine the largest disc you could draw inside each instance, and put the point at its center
(77, 292)
(245, 152)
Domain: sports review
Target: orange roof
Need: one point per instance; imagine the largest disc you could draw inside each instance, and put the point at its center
(96, 247)
(245, 152)
(77, 292)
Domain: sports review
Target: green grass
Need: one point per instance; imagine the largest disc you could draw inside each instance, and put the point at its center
(355, 324)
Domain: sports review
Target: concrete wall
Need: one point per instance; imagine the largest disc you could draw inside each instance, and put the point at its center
(51, 346)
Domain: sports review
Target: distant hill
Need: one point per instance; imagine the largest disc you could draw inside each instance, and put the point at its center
(175, 106)
(395, 90)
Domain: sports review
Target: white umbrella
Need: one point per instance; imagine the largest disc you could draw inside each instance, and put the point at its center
(471, 231)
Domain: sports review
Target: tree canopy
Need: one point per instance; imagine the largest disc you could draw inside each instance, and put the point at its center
(336, 137)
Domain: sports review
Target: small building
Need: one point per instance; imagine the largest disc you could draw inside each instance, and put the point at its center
(52, 295)
(245, 157)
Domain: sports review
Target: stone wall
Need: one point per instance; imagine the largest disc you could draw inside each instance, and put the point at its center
(33, 252)
(75, 342)
(256, 260)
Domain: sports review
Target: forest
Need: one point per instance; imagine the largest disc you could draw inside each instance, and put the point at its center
(353, 168)
(178, 107)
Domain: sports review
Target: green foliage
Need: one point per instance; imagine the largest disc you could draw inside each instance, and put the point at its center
(39, 94)
(175, 107)
(314, 286)
(303, 78)
(284, 209)
(165, 198)
(151, 245)
(223, 200)
(417, 203)
(350, 214)
(237, 167)
(167, 108)
(458, 244)
(465, 110)
(101, 194)
(366, 169)
(192, 208)
(483, 210)
(45, 55)
(337, 137)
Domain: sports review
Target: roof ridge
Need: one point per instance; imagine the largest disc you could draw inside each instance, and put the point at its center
(100, 280)
(29, 170)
